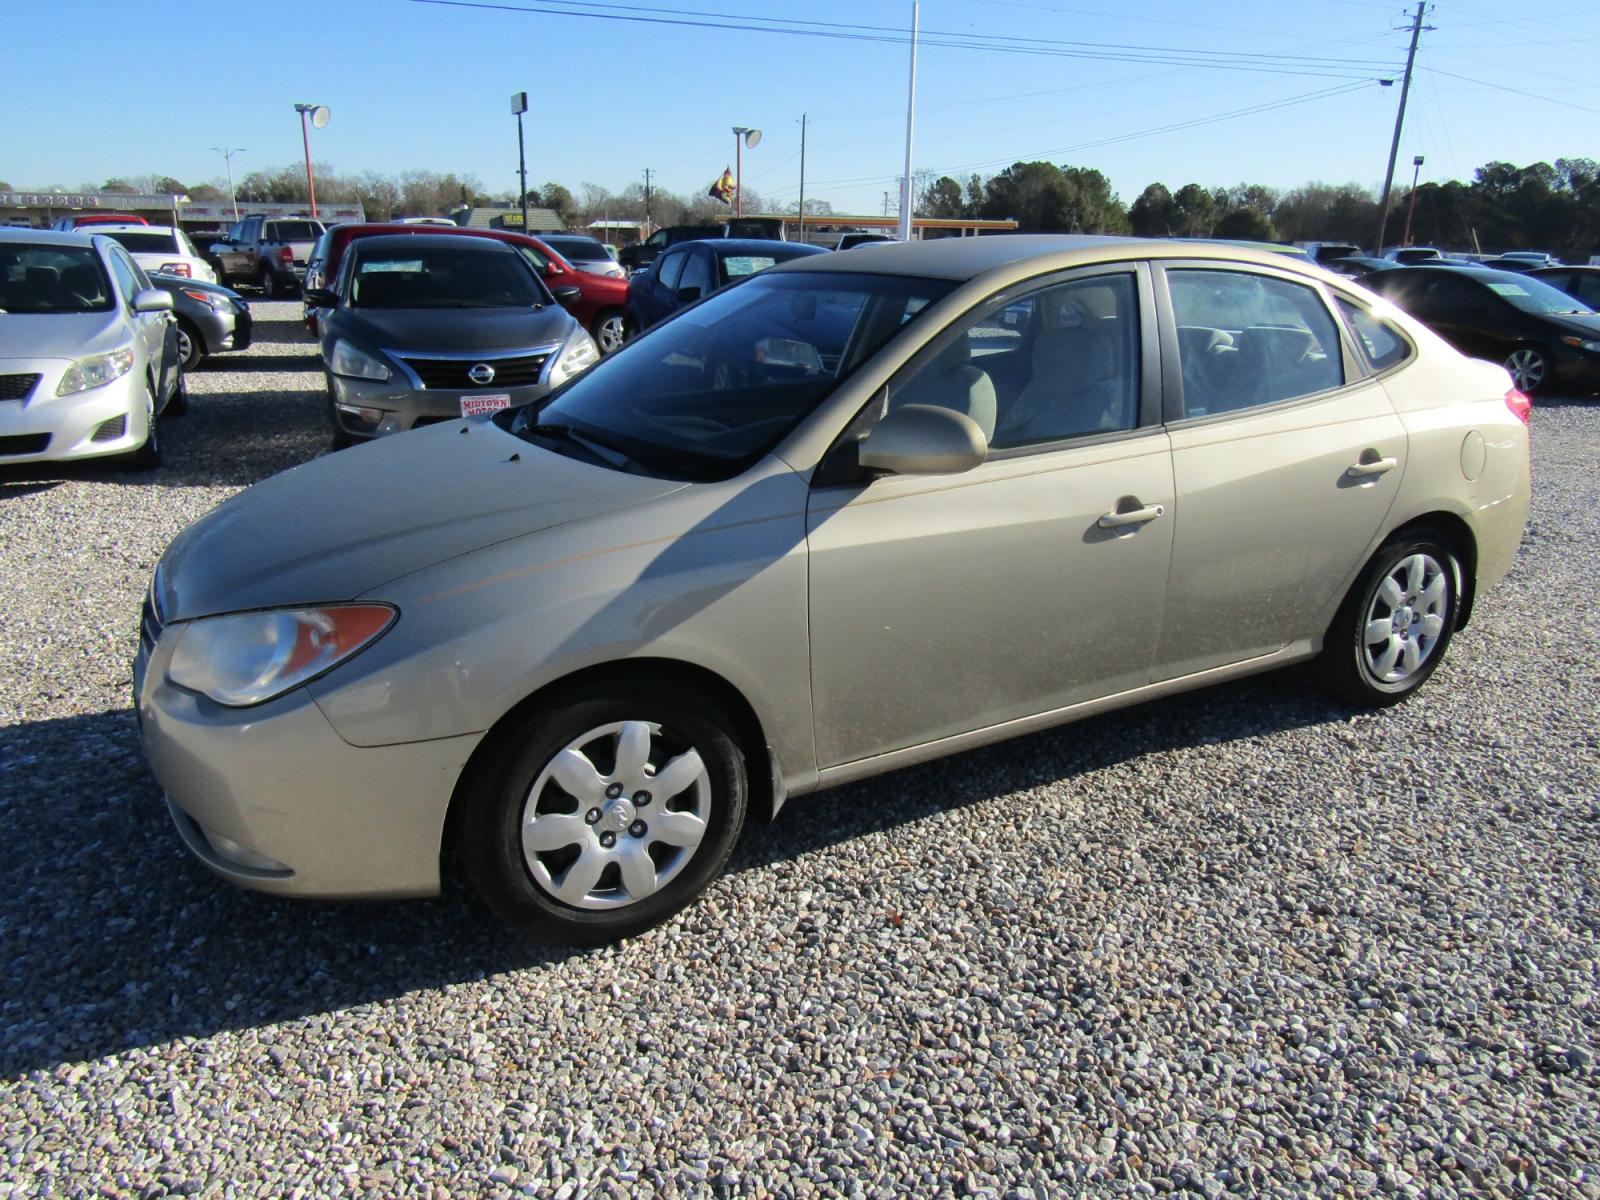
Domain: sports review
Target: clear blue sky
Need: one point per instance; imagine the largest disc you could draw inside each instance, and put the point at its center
(426, 86)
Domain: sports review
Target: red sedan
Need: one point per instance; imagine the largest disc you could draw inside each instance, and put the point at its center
(598, 306)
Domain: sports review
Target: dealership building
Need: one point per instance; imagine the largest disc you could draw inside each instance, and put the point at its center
(41, 210)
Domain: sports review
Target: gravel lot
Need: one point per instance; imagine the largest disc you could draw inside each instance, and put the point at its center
(1237, 942)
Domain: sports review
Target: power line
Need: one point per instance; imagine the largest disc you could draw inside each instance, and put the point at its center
(1500, 87)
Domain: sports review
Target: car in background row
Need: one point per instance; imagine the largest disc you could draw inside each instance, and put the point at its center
(84, 220)
(88, 356)
(849, 241)
(586, 253)
(641, 254)
(689, 271)
(269, 252)
(211, 318)
(431, 326)
(596, 301)
(1409, 256)
(1356, 266)
(1580, 282)
(1542, 335)
(568, 650)
(160, 248)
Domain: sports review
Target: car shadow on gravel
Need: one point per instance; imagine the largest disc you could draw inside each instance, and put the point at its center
(277, 333)
(254, 364)
(114, 938)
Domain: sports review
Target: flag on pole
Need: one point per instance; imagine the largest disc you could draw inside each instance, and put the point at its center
(722, 189)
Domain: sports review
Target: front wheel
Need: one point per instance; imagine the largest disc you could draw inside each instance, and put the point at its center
(1529, 368)
(1395, 625)
(148, 456)
(605, 813)
(191, 345)
(609, 331)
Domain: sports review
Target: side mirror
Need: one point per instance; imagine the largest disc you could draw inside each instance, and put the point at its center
(923, 439)
(321, 298)
(688, 294)
(152, 300)
(567, 296)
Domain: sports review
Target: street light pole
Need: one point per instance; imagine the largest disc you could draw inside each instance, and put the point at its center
(742, 137)
(911, 127)
(1411, 210)
(519, 105)
(802, 177)
(318, 115)
(227, 157)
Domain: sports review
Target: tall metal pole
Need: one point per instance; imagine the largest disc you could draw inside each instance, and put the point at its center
(311, 179)
(647, 200)
(911, 126)
(1399, 120)
(522, 173)
(738, 172)
(227, 157)
(1411, 210)
(802, 177)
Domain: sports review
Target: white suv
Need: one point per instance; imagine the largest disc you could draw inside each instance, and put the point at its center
(160, 248)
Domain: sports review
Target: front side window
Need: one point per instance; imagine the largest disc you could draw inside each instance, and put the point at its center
(696, 273)
(122, 267)
(1062, 362)
(1247, 340)
(52, 279)
(671, 266)
(707, 394)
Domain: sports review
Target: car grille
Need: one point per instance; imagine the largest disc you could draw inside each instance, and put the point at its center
(24, 443)
(451, 373)
(16, 387)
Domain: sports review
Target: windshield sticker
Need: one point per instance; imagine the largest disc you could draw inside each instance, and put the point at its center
(745, 264)
(1508, 289)
(379, 266)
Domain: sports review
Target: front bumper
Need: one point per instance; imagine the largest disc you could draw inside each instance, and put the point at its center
(272, 798)
(231, 329)
(1574, 367)
(44, 427)
(401, 407)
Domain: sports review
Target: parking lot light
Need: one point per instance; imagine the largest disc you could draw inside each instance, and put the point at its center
(319, 114)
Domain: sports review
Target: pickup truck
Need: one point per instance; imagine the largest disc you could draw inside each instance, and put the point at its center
(269, 252)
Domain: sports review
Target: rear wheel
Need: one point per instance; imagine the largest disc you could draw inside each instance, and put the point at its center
(191, 346)
(604, 813)
(269, 285)
(1529, 368)
(1395, 625)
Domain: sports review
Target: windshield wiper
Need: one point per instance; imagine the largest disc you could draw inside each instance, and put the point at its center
(607, 453)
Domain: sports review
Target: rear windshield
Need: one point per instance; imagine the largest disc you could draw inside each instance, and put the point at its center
(293, 231)
(52, 279)
(439, 277)
(579, 249)
(145, 243)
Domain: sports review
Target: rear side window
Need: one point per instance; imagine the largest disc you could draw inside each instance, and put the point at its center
(1248, 340)
(1380, 341)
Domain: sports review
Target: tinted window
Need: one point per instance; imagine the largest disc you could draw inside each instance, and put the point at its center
(439, 277)
(669, 267)
(538, 260)
(713, 390)
(146, 243)
(696, 272)
(1380, 341)
(579, 249)
(52, 279)
(1060, 363)
(1247, 340)
(1450, 292)
(293, 231)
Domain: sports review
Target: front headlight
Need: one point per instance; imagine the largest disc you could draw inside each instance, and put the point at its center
(577, 356)
(347, 360)
(96, 370)
(247, 658)
(1583, 344)
(216, 301)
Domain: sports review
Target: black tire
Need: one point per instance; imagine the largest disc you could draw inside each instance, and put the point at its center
(487, 833)
(1346, 665)
(179, 404)
(191, 346)
(610, 330)
(148, 456)
(268, 283)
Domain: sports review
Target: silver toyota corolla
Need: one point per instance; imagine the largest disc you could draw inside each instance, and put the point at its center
(849, 514)
(88, 351)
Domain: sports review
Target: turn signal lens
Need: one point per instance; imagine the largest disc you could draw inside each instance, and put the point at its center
(248, 658)
(1520, 406)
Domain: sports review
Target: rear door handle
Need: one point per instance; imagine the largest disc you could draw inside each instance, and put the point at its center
(1366, 470)
(1139, 516)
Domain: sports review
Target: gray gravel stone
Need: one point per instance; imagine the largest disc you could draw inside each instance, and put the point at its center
(1241, 942)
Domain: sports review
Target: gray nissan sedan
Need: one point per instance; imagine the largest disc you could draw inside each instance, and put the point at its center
(847, 515)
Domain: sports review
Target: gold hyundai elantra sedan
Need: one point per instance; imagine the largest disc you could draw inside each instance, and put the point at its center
(849, 514)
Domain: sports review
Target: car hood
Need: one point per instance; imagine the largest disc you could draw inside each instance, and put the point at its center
(442, 330)
(1584, 325)
(61, 335)
(339, 526)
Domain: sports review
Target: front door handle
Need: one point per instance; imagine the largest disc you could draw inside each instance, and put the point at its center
(1139, 516)
(1367, 470)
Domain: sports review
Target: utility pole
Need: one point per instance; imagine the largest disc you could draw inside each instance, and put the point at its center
(647, 201)
(886, 204)
(227, 157)
(802, 177)
(1399, 120)
(911, 127)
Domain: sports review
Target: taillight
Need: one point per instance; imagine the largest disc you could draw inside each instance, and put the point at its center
(1520, 406)
(177, 268)
(286, 256)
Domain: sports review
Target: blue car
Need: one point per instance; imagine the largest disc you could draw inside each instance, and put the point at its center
(684, 273)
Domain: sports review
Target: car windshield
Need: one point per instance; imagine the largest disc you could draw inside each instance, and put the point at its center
(52, 279)
(1532, 296)
(735, 266)
(579, 250)
(708, 393)
(144, 243)
(443, 277)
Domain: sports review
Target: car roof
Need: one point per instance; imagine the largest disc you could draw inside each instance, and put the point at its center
(571, 237)
(125, 227)
(726, 246)
(58, 237)
(1476, 274)
(423, 241)
(1024, 255)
